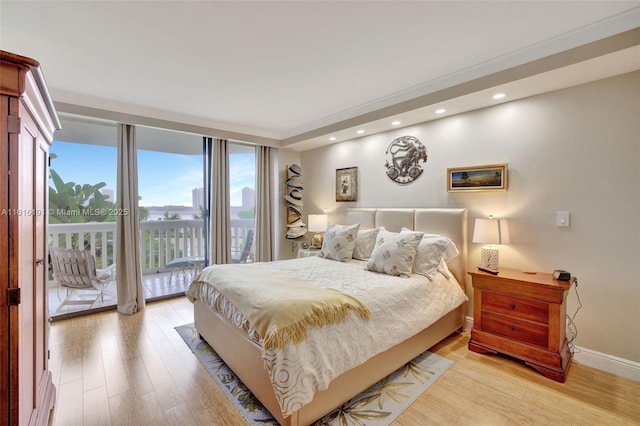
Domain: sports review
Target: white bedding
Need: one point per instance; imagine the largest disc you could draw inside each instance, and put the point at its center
(400, 308)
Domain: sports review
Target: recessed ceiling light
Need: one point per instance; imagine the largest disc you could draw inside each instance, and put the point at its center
(441, 111)
(499, 96)
(395, 123)
(360, 132)
(332, 138)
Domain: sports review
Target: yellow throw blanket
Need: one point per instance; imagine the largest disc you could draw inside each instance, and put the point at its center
(280, 306)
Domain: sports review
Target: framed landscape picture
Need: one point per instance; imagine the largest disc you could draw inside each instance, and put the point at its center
(347, 184)
(477, 178)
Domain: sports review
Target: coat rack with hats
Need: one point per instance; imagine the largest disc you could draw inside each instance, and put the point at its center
(294, 185)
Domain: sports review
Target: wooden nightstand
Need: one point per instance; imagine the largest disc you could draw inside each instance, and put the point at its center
(524, 316)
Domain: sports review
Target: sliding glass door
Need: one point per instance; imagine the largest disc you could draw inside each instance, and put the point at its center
(172, 205)
(82, 194)
(170, 179)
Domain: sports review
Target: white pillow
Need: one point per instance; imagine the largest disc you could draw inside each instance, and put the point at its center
(444, 269)
(365, 242)
(431, 252)
(394, 253)
(339, 242)
(450, 252)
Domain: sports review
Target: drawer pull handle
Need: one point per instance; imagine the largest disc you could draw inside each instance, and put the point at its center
(512, 305)
(512, 327)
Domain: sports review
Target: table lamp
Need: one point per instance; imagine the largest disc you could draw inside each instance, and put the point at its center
(317, 223)
(494, 232)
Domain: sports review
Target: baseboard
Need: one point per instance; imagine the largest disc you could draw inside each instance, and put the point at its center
(598, 360)
(609, 363)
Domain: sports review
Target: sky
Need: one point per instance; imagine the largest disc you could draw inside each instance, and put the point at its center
(163, 178)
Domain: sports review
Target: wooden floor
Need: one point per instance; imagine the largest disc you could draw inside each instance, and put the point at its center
(118, 369)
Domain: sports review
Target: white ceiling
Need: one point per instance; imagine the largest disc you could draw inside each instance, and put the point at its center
(283, 70)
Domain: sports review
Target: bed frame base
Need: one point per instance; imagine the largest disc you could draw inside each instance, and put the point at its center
(244, 358)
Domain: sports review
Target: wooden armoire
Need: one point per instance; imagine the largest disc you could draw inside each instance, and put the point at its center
(27, 122)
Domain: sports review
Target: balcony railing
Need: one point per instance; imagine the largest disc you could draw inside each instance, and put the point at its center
(160, 240)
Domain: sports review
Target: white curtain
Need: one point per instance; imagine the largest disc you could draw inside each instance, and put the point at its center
(220, 213)
(128, 267)
(264, 204)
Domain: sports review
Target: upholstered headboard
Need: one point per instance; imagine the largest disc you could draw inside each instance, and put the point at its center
(450, 222)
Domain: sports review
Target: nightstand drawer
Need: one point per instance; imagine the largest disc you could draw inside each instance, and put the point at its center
(512, 328)
(516, 307)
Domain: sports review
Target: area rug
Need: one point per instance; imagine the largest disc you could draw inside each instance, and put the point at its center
(377, 406)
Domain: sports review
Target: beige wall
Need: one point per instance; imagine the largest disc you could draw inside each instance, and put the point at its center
(575, 150)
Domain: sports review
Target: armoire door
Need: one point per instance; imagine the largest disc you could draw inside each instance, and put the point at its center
(35, 379)
(5, 331)
(45, 392)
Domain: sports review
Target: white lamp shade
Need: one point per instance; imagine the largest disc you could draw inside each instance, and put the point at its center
(318, 222)
(491, 231)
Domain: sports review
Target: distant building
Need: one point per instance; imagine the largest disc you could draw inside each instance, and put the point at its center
(248, 197)
(197, 198)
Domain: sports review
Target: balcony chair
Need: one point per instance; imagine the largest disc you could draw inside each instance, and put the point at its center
(241, 257)
(75, 270)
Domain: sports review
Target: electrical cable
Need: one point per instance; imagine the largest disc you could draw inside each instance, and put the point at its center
(572, 328)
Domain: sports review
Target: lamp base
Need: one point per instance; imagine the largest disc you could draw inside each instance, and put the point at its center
(317, 239)
(489, 258)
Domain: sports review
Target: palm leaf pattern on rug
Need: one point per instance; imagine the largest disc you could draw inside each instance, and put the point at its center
(392, 390)
(353, 412)
(357, 411)
(417, 370)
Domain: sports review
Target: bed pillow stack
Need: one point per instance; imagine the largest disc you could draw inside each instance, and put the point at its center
(339, 242)
(432, 255)
(365, 243)
(394, 253)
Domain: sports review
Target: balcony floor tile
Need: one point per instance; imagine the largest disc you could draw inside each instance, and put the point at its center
(155, 286)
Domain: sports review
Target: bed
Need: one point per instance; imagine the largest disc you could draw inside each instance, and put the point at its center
(237, 344)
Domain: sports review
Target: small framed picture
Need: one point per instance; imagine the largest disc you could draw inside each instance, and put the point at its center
(347, 184)
(492, 177)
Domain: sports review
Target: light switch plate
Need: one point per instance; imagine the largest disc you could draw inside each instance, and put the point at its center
(562, 219)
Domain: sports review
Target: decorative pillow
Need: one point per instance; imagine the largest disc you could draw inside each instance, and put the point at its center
(365, 243)
(339, 242)
(394, 253)
(433, 250)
